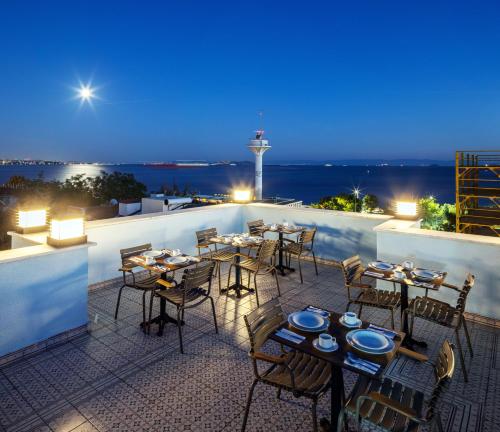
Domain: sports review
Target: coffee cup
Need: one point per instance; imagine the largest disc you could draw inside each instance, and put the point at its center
(326, 340)
(350, 318)
(150, 260)
(398, 275)
(175, 252)
(408, 265)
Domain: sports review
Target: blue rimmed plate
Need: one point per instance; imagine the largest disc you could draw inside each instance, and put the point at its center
(308, 321)
(369, 341)
(382, 266)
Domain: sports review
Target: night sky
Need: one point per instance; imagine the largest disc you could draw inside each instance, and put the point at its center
(185, 80)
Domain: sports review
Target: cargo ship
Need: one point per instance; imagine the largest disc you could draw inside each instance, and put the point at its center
(180, 164)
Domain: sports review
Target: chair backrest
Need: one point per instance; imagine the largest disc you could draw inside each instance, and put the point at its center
(307, 236)
(254, 227)
(198, 276)
(462, 298)
(352, 268)
(443, 371)
(262, 321)
(205, 235)
(133, 251)
(267, 250)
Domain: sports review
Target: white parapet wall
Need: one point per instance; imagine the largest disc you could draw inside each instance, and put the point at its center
(340, 234)
(454, 253)
(43, 291)
(173, 230)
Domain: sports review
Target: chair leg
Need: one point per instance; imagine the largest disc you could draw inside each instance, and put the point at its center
(348, 306)
(340, 422)
(179, 327)
(144, 328)
(315, 265)
(278, 395)
(247, 409)
(314, 415)
(438, 422)
(300, 270)
(462, 359)
(118, 301)
(218, 264)
(213, 312)
(256, 290)
(248, 281)
(467, 336)
(392, 318)
(150, 310)
(229, 275)
(277, 282)
(360, 311)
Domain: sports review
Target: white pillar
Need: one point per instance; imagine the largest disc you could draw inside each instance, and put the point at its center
(258, 175)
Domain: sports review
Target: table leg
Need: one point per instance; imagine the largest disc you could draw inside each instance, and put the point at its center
(282, 267)
(336, 400)
(408, 342)
(238, 286)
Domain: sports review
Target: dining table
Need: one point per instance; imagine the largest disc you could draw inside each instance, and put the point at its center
(337, 358)
(410, 279)
(282, 230)
(238, 241)
(162, 266)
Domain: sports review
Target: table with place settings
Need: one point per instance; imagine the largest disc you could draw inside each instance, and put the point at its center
(345, 355)
(282, 229)
(406, 276)
(164, 262)
(238, 241)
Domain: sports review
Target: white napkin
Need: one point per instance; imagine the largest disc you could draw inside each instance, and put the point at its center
(291, 336)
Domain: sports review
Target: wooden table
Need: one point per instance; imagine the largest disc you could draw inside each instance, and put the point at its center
(409, 280)
(163, 269)
(238, 285)
(281, 230)
(336, 360)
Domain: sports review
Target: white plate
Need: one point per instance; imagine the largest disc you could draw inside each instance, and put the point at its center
(356, 325)
(176, 260)
(308, 321)
(152, 254)
(426, 275)
(333, 348)
(382, 266)
(369, 341)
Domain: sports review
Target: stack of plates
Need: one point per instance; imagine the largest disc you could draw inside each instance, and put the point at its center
(152, 254)
(382, 266)
(369, 341)
(425, 275)
(308, 321)
(176, 260)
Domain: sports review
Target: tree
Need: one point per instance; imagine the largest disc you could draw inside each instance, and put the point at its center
(435, 216)
(369, 203)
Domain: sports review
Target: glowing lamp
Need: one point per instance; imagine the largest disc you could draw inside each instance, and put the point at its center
(67, 231)
(406, 209)
(242, 195)
(33, 220)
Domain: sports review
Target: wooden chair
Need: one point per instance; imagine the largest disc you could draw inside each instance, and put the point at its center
(263, 263)
(369, 296)
(392, 406)
(189, 293)
(300, 248)
(218, 256)
(445, 314)
(144, 284)
(256, 228)
(298, 373)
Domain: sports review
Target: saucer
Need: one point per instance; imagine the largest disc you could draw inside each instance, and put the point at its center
(334, 347)
(355, 325)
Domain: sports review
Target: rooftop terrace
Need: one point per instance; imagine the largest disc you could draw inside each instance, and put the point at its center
(117, 378)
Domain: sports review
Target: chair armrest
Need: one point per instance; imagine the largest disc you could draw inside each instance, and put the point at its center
(389, 403)
(166, 283)
(360, 285)
(268, 357)
(412, 354)
(126, 269)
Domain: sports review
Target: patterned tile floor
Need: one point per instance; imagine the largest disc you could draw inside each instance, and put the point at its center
(116, 378)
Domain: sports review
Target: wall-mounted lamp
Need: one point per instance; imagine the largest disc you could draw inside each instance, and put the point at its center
(406, 209)
(242, 195)
(31, 220)
(66, 231)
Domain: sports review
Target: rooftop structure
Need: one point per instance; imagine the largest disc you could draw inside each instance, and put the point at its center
(258, 146)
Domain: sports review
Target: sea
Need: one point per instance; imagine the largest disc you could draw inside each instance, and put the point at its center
(308, 183)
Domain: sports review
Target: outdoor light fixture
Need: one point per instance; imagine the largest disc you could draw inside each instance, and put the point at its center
(242, 195)
(406, 209)
(66, 231)
(31, 220)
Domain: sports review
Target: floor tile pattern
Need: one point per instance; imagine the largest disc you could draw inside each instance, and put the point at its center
(116, 378)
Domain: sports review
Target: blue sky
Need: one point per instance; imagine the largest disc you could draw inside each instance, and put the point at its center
(185, 79)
